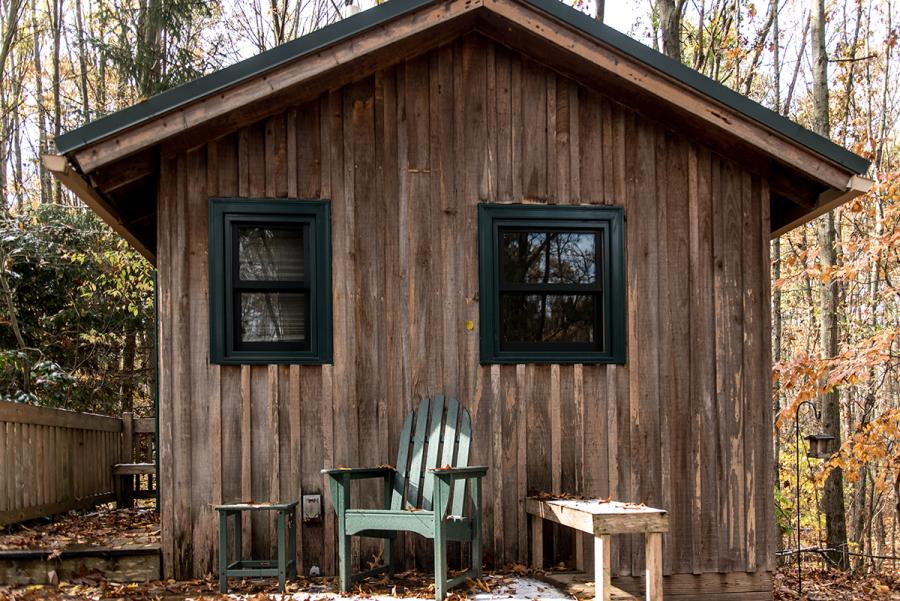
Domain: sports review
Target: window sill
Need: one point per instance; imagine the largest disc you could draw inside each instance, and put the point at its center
(271, 359)
(545, 358)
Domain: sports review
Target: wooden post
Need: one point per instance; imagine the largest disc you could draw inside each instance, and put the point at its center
(127, 438)
(654, 585)
(537, 542)
(602, 568)
(125, 483)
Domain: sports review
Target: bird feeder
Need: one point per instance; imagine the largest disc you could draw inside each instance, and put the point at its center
(819, 446)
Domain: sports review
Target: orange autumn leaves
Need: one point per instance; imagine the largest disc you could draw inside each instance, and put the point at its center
(868, 281)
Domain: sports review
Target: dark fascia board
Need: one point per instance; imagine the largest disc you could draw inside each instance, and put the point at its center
(346, 28)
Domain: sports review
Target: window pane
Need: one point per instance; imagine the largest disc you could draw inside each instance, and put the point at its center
(273, 317)
(554, 318)
(549, 257)
(266, 253)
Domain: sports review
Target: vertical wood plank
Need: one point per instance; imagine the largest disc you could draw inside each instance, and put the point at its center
(643, 319)
(703, 362)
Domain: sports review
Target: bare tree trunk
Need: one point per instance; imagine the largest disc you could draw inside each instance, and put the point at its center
(670, 14)
(600, 10)
(833, 494)
(39, 100)
(82, 63)
(128, 371)
(786, 107)
(55, 10)
(759, 46)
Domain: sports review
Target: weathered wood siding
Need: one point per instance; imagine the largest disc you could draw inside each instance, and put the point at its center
(405, 156)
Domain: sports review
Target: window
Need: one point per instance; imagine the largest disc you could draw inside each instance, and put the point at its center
(551, 284)
(269, 281)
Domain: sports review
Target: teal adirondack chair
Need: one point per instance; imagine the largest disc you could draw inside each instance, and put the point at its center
(421, 494)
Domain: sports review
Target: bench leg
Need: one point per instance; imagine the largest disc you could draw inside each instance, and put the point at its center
(602, 568)
(537, 542)
(653, 546)
(223, 552)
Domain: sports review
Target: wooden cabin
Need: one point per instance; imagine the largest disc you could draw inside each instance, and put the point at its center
(499, 200)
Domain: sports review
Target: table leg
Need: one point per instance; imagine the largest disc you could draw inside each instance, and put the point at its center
(223, 552)
(653, 551)
(282, 553)
(537, 542)
(602, 568)
(238, 534)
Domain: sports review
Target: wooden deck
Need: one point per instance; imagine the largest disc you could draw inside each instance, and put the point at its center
(580, 586)
(133, 563)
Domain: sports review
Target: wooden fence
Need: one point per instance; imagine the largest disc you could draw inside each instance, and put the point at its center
(53, 460)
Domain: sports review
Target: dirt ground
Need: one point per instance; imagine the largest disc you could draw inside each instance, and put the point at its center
(102, 527)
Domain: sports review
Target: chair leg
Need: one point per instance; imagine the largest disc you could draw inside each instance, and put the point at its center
(477, 548)
(476, 555)
(340, 492)
(389, 557)
(440, 562)
(344, 561)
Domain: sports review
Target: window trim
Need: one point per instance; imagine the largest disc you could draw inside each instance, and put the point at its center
(225, 215)
(492, 217)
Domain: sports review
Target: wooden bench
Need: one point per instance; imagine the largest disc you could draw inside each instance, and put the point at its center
(127, 475)
(602, 520)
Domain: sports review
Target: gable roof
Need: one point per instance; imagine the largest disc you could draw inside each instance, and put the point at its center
(113, 163)
(228, 77)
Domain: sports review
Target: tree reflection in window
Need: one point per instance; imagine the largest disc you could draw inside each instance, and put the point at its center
(271, 289)
(550, 288)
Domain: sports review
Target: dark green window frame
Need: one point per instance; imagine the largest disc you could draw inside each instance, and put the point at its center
(610, 325)
(225, 216)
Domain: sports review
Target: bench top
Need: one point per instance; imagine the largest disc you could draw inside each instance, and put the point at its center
(257, 506)
(599, 517)
(134, 469)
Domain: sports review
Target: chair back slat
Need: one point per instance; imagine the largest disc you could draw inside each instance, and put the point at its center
(402, 463)
(433, 448)
(463, 440)
(448, 441)
(414, 488)
(437, 433)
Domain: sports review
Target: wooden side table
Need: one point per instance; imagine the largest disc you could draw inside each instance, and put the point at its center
(284, 566)
(603, 519)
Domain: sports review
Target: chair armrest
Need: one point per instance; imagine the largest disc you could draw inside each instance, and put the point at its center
(459, 473)
(359, 473)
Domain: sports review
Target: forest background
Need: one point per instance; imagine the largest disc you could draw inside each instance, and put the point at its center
(76, 303)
